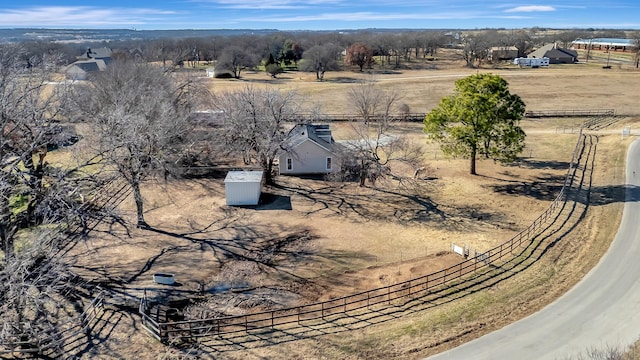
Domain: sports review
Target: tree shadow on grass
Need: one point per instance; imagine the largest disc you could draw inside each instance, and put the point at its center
(409, 205)
(343, 80)
(540, 164)
(545, 187)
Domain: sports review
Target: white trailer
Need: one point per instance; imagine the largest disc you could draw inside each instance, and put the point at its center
(533, 62)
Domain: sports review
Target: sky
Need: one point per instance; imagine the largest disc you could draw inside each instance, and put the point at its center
(319, 14)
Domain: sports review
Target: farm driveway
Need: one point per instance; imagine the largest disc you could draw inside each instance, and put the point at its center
(600, 312)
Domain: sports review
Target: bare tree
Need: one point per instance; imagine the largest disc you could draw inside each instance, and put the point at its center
(523, 42)
(367, 100)
(320, 59)
(236, 59)
(565, 38)
(255, 122)
(159, 50)
(29, 128)
(373, 145)
(138, 115)
(34, 195)
(476, 49)
(431, 41)
(33, 284)
(636, 48)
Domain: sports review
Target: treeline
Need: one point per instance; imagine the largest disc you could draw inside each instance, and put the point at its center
(287, 49)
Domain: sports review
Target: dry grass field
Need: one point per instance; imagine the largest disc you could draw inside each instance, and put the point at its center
(314, 239)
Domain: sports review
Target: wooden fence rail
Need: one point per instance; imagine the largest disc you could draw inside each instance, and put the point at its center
(419, 117)
(569, 113)
(406, 290)
(62, 238)
(55, 342)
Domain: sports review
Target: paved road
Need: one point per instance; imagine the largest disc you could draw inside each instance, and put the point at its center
(601, 311)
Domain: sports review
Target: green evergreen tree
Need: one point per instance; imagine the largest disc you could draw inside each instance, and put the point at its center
(481, 117)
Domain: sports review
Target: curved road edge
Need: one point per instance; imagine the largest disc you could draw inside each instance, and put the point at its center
(602, 311)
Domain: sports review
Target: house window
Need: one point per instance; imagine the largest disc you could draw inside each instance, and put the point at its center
(328, 163)
(289, 164)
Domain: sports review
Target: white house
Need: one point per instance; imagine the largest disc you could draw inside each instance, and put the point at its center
(310, 149)
(243, 187)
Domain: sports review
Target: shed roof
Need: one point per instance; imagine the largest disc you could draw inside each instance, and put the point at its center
(243, 177)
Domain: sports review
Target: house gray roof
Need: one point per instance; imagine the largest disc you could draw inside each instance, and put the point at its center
(91, 65)
(87, 66)
(552, 51)
(319, 134)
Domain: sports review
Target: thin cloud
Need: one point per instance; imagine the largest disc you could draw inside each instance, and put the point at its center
(270, 4)
(366, 16)
(75, 16)
(531, 8)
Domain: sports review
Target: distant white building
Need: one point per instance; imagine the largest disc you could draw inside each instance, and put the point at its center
(615, 44)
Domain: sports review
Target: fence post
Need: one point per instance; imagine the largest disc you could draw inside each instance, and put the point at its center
(345, 304)
(368, 294)
(389, 295)
(272, 315)
(322, 310)
(298, 315)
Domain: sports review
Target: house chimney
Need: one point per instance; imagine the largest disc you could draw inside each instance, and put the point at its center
(324, 132)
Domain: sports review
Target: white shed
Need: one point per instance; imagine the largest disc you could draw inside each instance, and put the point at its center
(243, 187)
